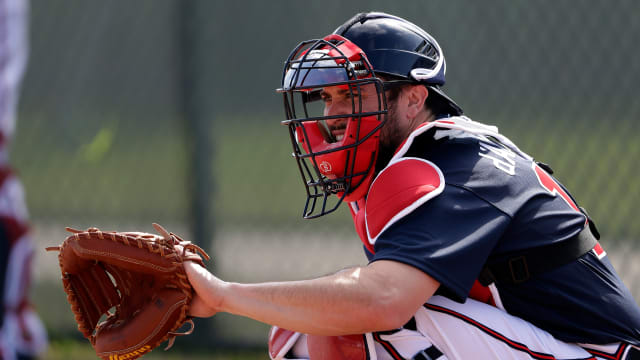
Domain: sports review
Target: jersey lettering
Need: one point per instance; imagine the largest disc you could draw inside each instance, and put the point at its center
(552, 186)
(503, 159)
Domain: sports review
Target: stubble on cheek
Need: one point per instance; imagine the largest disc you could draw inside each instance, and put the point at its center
(390, 134)
(390, 139)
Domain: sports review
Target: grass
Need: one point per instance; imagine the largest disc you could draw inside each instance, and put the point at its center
(81, 350)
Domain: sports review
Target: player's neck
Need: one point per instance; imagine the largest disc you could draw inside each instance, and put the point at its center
(425, 116)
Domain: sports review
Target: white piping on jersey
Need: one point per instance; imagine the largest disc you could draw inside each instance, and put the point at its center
(371, 346)
(495, 294)
(460, 123)
(407, 210)
(455, 123)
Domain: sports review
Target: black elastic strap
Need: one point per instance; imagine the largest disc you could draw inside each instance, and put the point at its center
(430, 353)
(519, 267)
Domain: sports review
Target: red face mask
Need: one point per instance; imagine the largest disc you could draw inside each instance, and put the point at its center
(332, 161)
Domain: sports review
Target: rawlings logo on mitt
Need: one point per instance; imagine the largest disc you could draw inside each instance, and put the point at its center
(139, 275)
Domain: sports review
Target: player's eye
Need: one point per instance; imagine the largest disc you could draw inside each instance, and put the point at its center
(325, 98)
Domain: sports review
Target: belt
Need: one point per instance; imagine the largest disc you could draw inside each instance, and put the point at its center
(518, 267)
(430, 353)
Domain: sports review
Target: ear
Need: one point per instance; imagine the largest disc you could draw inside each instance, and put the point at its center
(416, 96)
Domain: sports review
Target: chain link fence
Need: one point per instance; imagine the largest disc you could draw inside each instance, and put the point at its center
(128, 108)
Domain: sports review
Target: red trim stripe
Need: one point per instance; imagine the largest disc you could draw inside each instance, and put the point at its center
(511, 343)
(599, 251)
(390, 349)
(616, 356)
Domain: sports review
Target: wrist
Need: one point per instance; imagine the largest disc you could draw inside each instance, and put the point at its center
(225, 290)
(210, 288)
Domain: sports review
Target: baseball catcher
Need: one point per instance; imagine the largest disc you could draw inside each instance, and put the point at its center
(135, 281)
(475, 250)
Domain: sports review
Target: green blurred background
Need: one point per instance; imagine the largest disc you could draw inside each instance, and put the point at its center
(135, 112)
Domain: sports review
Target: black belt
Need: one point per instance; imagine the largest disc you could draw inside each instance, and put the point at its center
(518, 267)
(430, 353)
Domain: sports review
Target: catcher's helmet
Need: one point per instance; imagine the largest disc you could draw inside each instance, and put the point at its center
(400, 49)
(344, 165)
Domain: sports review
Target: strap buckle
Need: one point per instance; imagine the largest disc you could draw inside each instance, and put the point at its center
(519, 269)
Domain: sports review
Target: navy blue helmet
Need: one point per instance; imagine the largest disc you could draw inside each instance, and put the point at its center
(399, 49)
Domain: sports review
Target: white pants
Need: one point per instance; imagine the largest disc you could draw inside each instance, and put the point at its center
(472, 330)
(475, 330)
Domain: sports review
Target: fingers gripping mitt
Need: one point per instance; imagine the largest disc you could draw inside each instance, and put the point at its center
(135, 281)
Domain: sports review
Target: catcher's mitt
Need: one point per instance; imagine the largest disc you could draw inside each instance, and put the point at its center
(136, 279)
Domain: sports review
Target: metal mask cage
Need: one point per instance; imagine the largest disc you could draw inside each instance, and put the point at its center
(309, 69)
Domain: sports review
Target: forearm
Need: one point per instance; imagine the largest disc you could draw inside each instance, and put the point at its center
(353, 301)
(332, 305)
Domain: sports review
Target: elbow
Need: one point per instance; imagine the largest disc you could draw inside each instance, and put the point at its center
(390, 313)
(393, 293)
(395, 320)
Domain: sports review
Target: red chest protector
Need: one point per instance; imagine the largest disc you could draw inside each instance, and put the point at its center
(406, 183)
(400, 188)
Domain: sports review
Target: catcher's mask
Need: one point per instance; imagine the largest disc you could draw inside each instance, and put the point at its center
(336, 151)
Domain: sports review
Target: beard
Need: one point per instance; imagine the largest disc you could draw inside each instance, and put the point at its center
(391, 136)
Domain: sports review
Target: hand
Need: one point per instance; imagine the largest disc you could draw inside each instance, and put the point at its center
(208, 297)
(199, 308)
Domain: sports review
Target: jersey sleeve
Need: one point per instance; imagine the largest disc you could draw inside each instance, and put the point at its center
(449, 237)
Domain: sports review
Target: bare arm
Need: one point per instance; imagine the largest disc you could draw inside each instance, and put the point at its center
(381, 296)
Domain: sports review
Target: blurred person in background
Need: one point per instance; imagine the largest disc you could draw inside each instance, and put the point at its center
(22, 334)
(475, 251)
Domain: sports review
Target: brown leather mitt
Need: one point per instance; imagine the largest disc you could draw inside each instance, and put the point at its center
(135, 280)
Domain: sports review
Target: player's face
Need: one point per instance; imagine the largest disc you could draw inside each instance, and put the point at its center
(340, 100)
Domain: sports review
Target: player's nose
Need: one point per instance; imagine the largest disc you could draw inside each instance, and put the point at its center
(337, 108)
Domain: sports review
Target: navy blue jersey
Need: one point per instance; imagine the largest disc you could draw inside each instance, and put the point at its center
(497, 200)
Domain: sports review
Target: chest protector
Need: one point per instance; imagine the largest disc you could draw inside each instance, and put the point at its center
(408, 182)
